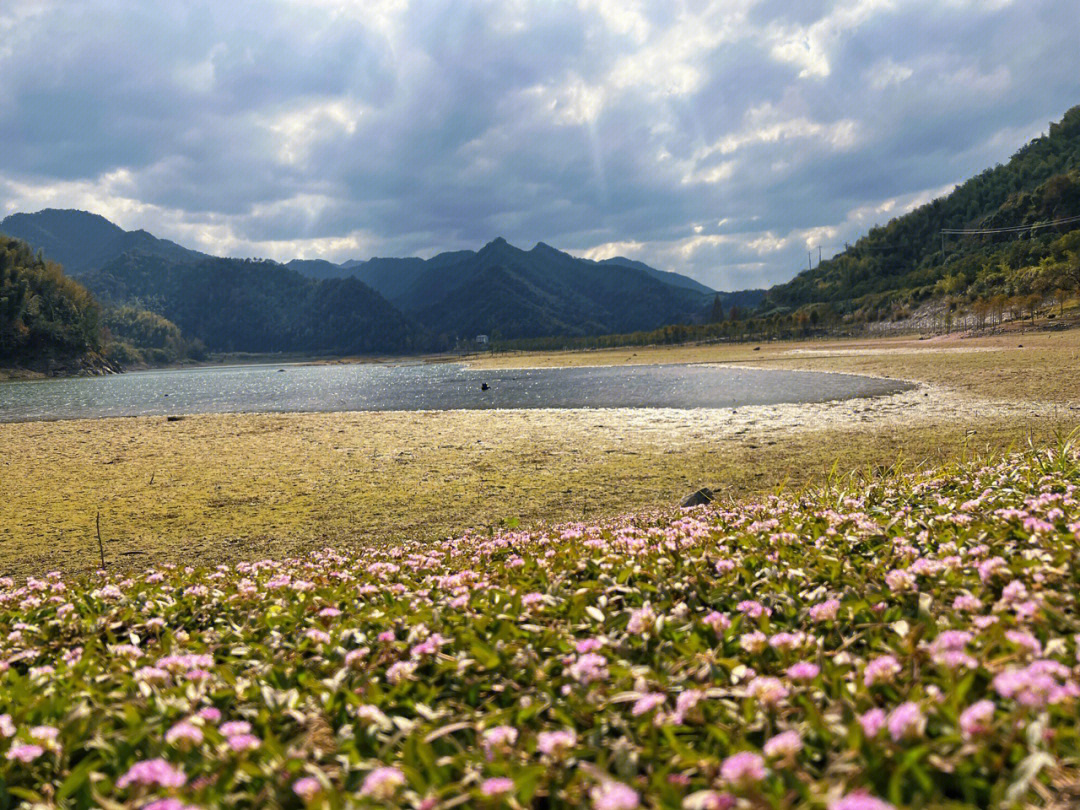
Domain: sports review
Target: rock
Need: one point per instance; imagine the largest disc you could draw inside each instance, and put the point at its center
(484, 386)
(173, 418)
(702, 497)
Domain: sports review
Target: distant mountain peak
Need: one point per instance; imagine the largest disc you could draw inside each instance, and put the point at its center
(498, 241)
(82, 241)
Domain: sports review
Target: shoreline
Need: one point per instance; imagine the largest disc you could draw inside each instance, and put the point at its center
(224, 488)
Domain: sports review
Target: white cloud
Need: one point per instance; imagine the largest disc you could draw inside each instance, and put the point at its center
(810, 48)
(721, 138)
(766, 124)
(621, 16)
(888, 73)
(610, 250)
(297, 130)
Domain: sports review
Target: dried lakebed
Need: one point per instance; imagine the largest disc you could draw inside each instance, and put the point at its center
(417, 387)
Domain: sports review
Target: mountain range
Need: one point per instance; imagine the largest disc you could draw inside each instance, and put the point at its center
(1006, 238)
(377, 305)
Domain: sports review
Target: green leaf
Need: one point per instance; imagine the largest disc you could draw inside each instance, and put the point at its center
(79, 776)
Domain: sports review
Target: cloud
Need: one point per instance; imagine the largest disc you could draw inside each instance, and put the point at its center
(719, 138)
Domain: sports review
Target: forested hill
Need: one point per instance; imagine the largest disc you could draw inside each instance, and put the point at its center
(45, 317)
(239, 305)
(81, 241)
(903, 263)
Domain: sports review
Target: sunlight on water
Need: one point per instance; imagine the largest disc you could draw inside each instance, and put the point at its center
(420, 387)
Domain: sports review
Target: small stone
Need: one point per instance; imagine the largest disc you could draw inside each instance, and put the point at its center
(702, 497)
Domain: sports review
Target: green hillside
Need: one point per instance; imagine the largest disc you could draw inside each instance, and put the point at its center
(44, 315)
(1026, 212)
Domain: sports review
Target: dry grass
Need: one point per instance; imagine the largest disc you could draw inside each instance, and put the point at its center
(225, 487)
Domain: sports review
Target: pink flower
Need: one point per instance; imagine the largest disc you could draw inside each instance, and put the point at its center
(641, 621)
(353, 658)
(318, 636)
(860, 801)
(153, 772)
(787, 641)
(711, 800)
(499, 739)
(743, 769)
(400, 671)
(752, 609)
(717, 621)
(496, 786)
(966, 603)
(44, 734)
(753, 642)
(382, 783)
(555, 743)
(169, 803)
(900, 580)
(184, 733)
(1041, 683)
(825, 611)
(646, 703)
(872, 722)
(307, 787)
(588, 668)
(24, 753)
(235, 727)
(906, 721)
(244, 742)
(614, 796)
(977, 719)
(803, 671)
(784, 745)
(1025, 640)
(210, 714)
(881, 670)
(587, 645)
(770, 691)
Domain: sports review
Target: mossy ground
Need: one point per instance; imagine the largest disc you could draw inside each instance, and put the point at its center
(226, 487)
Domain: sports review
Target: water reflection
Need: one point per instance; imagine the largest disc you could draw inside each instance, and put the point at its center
(276, 388)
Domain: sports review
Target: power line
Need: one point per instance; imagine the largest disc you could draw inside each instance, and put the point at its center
(1010, 229)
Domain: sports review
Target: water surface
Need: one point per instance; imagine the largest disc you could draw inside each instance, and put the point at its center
(410, 387)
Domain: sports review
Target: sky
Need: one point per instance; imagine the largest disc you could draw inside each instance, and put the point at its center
(725, 140)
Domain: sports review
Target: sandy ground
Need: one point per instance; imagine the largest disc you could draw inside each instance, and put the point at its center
(215, 488)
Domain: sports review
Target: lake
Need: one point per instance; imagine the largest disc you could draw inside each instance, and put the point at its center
(411, 387)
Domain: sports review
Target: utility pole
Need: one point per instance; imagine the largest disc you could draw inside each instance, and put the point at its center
(809, 260)
(819, 254)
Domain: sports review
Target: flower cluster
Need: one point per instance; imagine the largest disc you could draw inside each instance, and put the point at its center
(910, 643)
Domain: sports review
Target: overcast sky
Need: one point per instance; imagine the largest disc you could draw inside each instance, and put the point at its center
(722, 140)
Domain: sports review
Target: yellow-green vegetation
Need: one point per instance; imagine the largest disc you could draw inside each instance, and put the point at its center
(228, 487)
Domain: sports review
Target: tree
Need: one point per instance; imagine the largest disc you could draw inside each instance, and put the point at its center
(717, 314)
